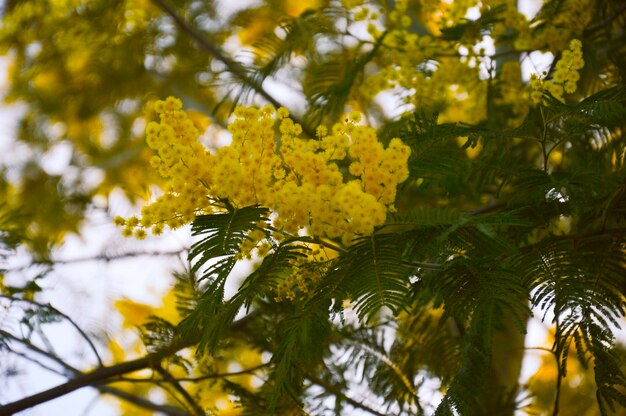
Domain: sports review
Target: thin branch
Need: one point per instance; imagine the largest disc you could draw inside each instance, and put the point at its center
(250, 370)
(37, 362)
(64, 316)
(605, 22)
(92, 403)
(38, 350)
(223, 375)
(103, 375)
(100, 257)
(175, 383)
(141, 402)
(341, 395)
(137, 401)
(233, 66)
(494, 206)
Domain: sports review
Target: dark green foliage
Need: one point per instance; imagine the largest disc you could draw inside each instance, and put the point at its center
(302, 340)
(583, 279)
(385, 369)
(157, 334)
(222, 238)
(188, 291)
(371, 274)
(214, 256)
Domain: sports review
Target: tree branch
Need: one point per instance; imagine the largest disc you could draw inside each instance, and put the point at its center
(103, 375)
(341, 395)
(100, 257)
(233, 66)
(137, 401)
(98, 376)
(198, 411)
(63, 315)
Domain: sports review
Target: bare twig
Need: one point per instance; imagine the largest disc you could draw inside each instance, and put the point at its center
(341, 395)
(100, 257)
(64, 316)
(175, 383)
(250, 370)
(223, 375)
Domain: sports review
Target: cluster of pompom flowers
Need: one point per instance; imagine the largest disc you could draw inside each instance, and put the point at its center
(565, 75)
(300, 180)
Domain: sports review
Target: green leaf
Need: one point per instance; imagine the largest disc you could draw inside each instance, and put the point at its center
(371, 274)
(215, 255)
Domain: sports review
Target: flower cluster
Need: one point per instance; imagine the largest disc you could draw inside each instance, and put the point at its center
(565, 75)
(184, 162)
(430, 85)
(552, 31)
(306, 273)
(299, 179)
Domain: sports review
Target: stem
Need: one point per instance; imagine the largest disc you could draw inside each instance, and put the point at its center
(101, 257)
(97, 376)
(175, 383)
(66, 317)
(339, 394)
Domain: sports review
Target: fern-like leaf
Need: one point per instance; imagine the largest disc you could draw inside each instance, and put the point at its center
(372, 274)
(583, 280)
(215, 255)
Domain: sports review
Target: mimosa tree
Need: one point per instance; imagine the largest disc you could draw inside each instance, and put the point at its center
(409, 187)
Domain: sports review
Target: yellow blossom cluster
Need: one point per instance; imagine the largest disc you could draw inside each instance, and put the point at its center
(430, 86)
(299, 179)
(307, 272)
(450, 75)
(511, 19)
(565, 75)
(570, 20)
